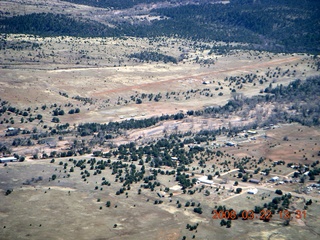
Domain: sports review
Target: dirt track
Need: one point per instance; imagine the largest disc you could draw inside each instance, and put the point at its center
(247, 67)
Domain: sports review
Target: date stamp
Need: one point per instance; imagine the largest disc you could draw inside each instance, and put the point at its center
(262, 215)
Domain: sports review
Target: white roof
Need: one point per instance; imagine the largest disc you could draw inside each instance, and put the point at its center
(252, 131)
(253, 191)
(8, 159)
(204, 179)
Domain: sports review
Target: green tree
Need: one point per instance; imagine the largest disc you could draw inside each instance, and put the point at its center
(9, 191)
(229, 224)
(238, 190)
(223, 222)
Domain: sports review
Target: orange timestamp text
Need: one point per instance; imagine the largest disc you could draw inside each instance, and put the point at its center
(262, 215)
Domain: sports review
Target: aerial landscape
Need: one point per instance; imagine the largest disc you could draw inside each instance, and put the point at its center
(159, 119)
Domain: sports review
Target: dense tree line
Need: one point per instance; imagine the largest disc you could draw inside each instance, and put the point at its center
(48, 24)
(89, 128)
(153, 56)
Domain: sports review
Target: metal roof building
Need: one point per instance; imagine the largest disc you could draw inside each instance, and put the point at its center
(252, 180)
(8, 159)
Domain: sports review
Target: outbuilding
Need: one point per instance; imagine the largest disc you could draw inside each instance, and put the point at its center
(204, 179)
(252, 132)
(253, 180)
(8, 159)
(253, 191)
(230, 144)
(274, 179)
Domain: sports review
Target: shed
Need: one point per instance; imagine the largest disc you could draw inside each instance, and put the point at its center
(230, 144)
(204, 179)
(274, 179)
(253, 180)
(8, 159)
(252, 132)
(252, 191)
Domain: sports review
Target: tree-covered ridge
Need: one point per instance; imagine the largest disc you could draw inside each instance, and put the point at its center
(286, 25)
(278, 26)
(48, 24)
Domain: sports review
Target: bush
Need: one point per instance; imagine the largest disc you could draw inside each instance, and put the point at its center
(309, 202)
(9, 191)
(71, 111)
(198, 210)
(238, 190)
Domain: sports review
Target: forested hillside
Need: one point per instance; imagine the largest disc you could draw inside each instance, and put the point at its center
(279, 26)
(273, 25)
(54, 25)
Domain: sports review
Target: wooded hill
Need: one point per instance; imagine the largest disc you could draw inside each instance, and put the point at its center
(279, 26)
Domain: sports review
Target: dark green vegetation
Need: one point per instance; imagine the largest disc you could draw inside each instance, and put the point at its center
(153, 56)
(279, 26)
(268, 24)
(49, 24)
